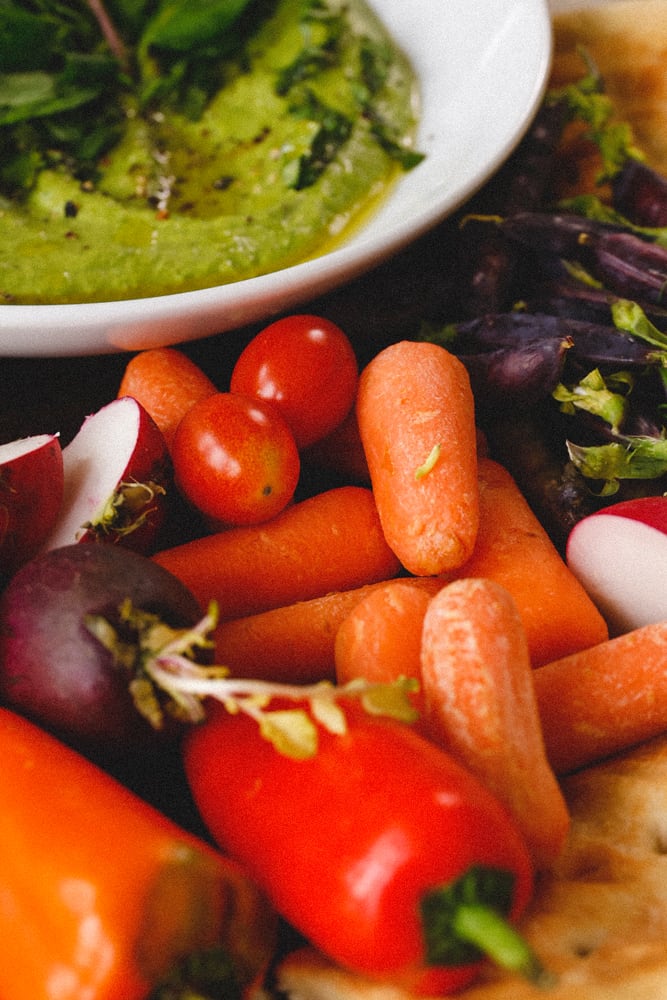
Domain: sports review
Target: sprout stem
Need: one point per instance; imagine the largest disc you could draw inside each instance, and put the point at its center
(113, 39)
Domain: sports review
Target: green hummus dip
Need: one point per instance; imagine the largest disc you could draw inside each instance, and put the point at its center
(275, 170)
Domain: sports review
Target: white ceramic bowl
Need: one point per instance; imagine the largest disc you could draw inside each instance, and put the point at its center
(482, 67)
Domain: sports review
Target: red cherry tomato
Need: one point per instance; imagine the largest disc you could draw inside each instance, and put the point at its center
(235, 459)
(306, 366)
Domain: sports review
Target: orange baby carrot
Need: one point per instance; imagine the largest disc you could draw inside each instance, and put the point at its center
(167, 384)
(102, 896)
(415, 412)
(514, 549)
(331, 541)
(605, 699)
(480, 702)
(380, 639)
(293, 644)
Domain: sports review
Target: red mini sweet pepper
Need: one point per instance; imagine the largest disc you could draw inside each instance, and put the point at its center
(378, 846)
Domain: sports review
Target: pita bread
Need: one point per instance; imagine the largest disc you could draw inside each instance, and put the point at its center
(599, 918)
(628, 43)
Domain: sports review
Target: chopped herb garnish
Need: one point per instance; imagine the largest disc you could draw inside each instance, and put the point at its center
(70, 75)
(374, 63)
(322, 32)
(320, 52)
(587, 102)
(333, 130)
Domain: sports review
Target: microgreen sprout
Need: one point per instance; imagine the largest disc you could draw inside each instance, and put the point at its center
(166, 678)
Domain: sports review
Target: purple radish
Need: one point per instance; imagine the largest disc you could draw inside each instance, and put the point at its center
(53, 667)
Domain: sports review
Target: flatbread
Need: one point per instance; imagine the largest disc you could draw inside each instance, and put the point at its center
(628, 43)
(598, 921)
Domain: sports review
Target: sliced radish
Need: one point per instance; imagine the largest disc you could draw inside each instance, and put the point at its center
(117, 471)
(31, 494)
(620, 556)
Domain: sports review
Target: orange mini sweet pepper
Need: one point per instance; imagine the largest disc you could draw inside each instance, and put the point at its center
(102, 897)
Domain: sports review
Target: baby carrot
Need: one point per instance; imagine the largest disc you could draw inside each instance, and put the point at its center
(602, 700)
(330, 541)
(293, 644)
(513, 549)
(103, 897)
(481, 706)
(380, 639)
(415, 412)
(166, 383)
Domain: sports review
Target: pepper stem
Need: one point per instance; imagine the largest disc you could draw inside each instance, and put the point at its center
(466, 920)
(488, 930)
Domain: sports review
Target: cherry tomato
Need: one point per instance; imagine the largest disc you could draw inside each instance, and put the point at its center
(235, 459)
(306, 366)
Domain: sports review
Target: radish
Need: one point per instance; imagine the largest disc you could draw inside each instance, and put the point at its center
(116, 473)
(619, 554)
(31, 494)
(75, 628)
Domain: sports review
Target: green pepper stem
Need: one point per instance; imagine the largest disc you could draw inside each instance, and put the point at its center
(492, 934)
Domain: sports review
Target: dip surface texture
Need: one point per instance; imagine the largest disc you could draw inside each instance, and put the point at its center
(262, 180)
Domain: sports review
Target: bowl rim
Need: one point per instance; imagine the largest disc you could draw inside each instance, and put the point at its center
(479, 89)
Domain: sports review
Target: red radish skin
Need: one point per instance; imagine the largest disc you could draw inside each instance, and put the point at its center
(619, 554)
(116, 475)
(31, 495)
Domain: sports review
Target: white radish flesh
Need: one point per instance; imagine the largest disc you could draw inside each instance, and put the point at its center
(117, 447)
(620, 556)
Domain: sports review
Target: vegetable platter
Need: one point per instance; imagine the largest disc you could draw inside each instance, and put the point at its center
(299, 696)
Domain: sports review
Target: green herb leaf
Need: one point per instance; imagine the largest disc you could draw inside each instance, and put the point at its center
(322, 33)
(586, 101)
(57, 59)
(24, 96)
(599, 396)
(186, 25)
(333, 131)
(27, 39)
(631, 457)
(407, 158)
(630, 317)
(374, 62)
(591, 207)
